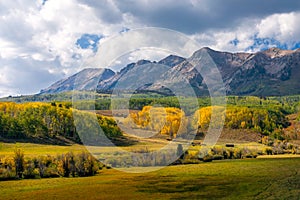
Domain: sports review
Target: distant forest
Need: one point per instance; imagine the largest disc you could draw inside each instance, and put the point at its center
(267, 116)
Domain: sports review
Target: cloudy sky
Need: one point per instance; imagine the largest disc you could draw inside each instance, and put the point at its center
(42, 41)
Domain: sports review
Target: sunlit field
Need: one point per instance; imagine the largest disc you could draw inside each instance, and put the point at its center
(236, 179)
(252, 159)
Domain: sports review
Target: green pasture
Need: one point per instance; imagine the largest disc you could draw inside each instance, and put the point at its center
(274, 178)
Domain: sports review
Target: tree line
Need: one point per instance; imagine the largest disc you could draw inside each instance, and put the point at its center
(57, 119)
(64, 165)
(47, 120)
(263, 120)
(173, 121)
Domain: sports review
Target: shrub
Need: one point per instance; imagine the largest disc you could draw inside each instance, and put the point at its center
(230, 153)
(218, 150)
(112, 162)
(7, 174)
(237, 153)
(208, 158)
(30, 170)
(206, 155)
(277, 150)
(19, 163)
(62, 166)
(268, 151)
(51, 172)
(218, 157)
(267, 141)
(42, 167)
(290, 146)
(86, 165)
(7, 163)
(47, 166)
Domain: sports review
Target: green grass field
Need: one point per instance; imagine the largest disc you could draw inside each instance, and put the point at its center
(33, 150)
(267, 177)
(277, 178)
(30, 149)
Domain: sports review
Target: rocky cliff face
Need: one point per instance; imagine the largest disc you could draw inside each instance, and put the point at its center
(139, 76)
(83, 80)
(270, 72)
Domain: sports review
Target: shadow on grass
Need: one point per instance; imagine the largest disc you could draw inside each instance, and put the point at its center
(62, 141)
(123, 141)
(37, 140)
(184, 188)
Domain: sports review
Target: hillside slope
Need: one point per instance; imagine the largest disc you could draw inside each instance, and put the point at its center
(273, 72)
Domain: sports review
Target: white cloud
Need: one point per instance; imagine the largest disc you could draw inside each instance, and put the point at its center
(283, 27)
(4, 76)
(152, 54)
(38, 42)
(43, 34)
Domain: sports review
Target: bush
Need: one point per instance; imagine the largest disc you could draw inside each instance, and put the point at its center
(143, 159)
(51, 172)
(219, 153)
(207, 158)
(230, 153)
(218, 157)
(267, 141)
(7, 174)
(19, 163)
(47, 166)
(86, 165)
(268, 151)
(218, 150)
(30, 170)
(237, 153)
(277, 150)
(63, 165)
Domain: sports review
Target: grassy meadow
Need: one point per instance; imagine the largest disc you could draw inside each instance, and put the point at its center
(277, 178)
(266, 177)
(31, 149)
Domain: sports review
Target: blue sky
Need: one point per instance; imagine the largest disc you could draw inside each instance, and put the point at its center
(42, 41)
(89, 41)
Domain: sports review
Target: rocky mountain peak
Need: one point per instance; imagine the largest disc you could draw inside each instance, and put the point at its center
(276, 52)
(270, 72)
(84, 80)
(171, 60)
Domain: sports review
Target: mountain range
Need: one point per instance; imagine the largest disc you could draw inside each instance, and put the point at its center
(271, 72)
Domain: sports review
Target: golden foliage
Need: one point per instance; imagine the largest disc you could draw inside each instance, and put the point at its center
(167, 121)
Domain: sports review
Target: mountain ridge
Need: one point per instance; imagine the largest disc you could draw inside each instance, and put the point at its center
(271, 72)
(88, 75)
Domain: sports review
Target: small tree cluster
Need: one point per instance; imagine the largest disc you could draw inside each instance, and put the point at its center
(142, 159)
(220, 153)
(65, 165)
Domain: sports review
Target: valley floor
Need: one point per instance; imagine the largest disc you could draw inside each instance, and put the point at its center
(277, 178)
